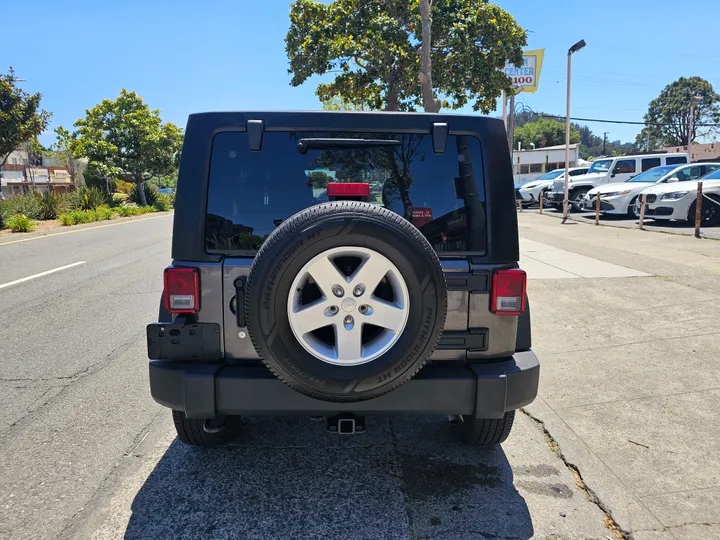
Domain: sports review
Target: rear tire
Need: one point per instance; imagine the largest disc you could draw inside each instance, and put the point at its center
(191, 430)
(485, 431)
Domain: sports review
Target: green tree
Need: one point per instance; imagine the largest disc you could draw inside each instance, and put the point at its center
(125, 138)
(336, 103)
(668, 115)
(65, 151)
(374, 49)
(21, 118)
(544, 132)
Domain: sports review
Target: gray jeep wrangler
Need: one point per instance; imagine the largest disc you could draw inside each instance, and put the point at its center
(342, 265)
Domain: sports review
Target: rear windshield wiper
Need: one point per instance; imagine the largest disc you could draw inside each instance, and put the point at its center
(307, 144)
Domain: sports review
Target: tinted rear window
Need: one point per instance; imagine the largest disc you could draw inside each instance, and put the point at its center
(251, 193)
(676, 160)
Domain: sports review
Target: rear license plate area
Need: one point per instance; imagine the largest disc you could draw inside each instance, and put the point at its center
(172, 341)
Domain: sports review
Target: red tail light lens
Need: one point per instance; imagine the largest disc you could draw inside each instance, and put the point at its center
(182, 290)
(339, 189)
(508, 292)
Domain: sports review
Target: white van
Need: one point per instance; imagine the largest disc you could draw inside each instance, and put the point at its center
(607, 170)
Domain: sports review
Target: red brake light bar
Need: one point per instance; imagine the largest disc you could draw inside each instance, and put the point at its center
(182, 290)
(340, 189)
(508, 293)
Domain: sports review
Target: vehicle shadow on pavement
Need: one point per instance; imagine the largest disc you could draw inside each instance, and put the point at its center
(289, 478)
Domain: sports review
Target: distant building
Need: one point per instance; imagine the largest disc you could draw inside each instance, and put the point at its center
(18, 175)
(529, 164)
(700, 152)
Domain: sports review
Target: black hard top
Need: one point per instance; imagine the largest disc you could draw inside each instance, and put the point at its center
(191, 199)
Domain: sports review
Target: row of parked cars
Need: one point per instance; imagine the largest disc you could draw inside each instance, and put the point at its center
(668, 181)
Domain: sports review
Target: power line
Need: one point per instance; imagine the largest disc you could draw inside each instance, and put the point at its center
(615, 121)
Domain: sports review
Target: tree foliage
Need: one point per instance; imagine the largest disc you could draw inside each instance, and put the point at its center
(374, 47)
(668, 115)
(65, 151)
(125, 138)
(21, 118)
(544, 132)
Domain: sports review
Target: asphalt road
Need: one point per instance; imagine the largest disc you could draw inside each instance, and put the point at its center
(86, 453)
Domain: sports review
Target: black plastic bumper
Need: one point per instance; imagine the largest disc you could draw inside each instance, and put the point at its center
(204, 390)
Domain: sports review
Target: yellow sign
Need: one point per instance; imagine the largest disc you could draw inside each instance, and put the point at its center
(526, 77)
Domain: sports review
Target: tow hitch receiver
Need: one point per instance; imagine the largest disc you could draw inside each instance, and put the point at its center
(346, 424)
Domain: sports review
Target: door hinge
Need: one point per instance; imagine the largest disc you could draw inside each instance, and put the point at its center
(240, 300)
(477, 282)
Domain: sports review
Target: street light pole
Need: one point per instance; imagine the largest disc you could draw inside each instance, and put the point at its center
(579, 45)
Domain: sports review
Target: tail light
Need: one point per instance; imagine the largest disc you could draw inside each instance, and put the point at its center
(508, 292)
(182, 290)
(341, 189)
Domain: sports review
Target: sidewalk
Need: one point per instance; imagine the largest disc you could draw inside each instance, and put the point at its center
(630, 383)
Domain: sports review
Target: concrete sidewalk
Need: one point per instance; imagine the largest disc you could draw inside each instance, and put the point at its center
(630, 384)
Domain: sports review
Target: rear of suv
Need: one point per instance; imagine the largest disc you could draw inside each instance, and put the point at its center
(343, 265)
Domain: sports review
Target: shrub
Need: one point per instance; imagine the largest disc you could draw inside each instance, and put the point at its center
(124, 187)
(86, 198)
(150, 194)
(103, 213)
(26, 205)
(126, 211)
(118, 199)
(77, 217)
(49, 205)
(162, 204)
(20, 223)
(67, 218)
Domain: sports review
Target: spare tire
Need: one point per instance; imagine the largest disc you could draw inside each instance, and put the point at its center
(345, 301)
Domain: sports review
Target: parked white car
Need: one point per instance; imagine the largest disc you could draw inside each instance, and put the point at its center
(530, 192)
(606, 170)
(678, 200)
(620, 197)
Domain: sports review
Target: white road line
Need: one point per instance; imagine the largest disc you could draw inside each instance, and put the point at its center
(41, 274)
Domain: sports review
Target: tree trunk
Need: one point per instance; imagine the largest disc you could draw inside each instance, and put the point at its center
(392, 99)
(392, 92)
(141, 190)
(425, 77)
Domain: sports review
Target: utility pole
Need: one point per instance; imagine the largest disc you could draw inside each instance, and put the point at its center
(504, 109)
(695, 100)
(605, 142)
(511, 122)
(511, 132)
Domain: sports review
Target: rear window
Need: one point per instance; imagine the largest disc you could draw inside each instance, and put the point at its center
(649, 163)
(676, 160)
(252, 193)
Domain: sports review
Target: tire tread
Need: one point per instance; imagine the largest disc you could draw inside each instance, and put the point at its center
(487, 431)
(190, 431)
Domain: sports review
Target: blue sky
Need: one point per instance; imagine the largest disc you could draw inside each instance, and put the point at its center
(185, 57)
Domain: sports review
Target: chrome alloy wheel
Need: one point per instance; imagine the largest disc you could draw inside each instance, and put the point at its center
(348, 305)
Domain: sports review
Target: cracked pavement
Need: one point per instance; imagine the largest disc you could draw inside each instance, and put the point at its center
(86, 453)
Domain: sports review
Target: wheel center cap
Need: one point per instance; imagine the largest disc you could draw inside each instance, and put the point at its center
(348, 304)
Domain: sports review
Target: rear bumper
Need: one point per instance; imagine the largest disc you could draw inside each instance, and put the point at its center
(204, 390)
